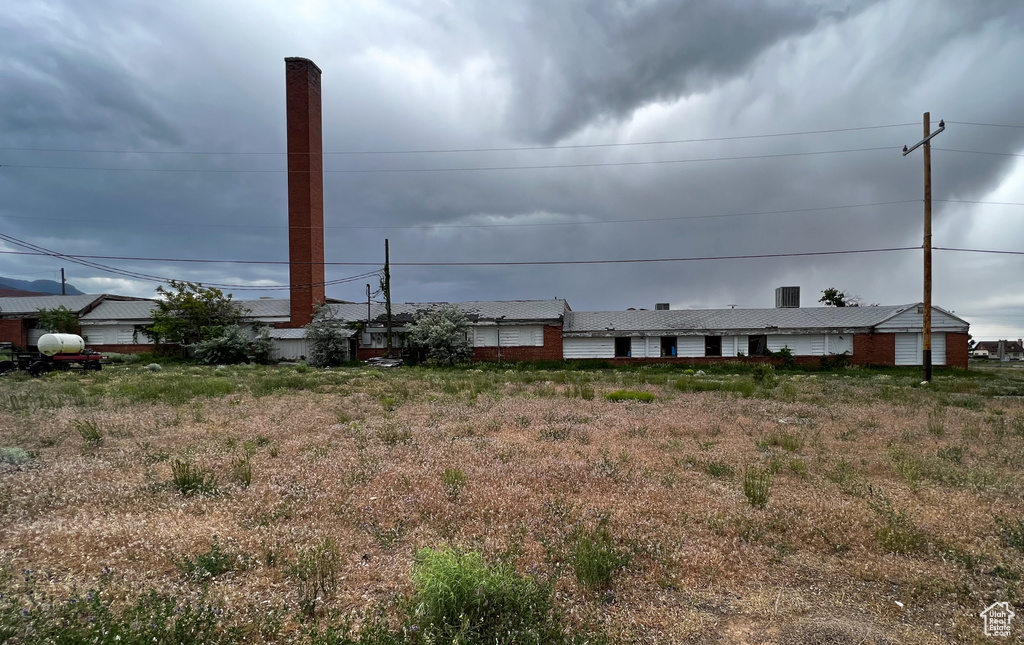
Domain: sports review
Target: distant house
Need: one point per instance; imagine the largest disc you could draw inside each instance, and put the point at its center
(1013, 350)
(890, 335)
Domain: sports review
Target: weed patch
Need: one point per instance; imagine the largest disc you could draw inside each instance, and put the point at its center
(189, 479)
(630, 395)
(595, 556)
(757, 485)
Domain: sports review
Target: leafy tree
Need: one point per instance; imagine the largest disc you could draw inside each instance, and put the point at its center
(59, 320)
(188, 310)
(833, 297)
(442, 333)
(223, 346)
(327, 339)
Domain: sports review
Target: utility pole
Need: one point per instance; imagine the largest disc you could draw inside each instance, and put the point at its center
(926, 337)
(63, 283)
(387, 292)
(367, 305)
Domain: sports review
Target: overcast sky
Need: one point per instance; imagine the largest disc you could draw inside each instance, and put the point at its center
(105, 106)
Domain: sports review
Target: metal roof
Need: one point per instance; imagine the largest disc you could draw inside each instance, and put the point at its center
(32, 304)
(300, 333)
(142, 310)
(728, 319)
(476, 310)
(121, 310)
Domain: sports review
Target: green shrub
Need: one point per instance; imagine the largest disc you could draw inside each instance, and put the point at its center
(1013, 532)
(454, 481)
(764, 375)
(757, 486)
(442, 334)
(899, 534)
(459, 598)
(190, 479)
(629, 395)
(595, 557)
(225, 345)
(14, 456)
(30, 616)
(90, 431)
(315, 573)
(327, 337)
(210, 564)
(241, 469)
(719, 469)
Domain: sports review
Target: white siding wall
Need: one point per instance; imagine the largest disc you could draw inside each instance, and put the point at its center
(912, 319)
(840, 343)
(909, 349)
(113, 334)
(511, 336)
(290, 349)
(690, 346)
(588, 348)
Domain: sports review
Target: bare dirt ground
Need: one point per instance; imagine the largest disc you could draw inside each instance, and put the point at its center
(894, 514)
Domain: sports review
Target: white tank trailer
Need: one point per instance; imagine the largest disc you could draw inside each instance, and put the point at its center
(51, 344)
(54, 352)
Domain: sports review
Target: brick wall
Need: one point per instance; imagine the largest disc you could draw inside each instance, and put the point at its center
(812, 361)
(305, 188)
(874, 349)
(13, 330)
(956, 350)
(133, 349)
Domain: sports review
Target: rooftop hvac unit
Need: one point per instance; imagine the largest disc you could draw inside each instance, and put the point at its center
(787, 298)
(661, 306)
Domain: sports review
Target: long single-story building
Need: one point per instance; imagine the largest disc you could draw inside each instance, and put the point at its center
(527, 330)
(890, 335)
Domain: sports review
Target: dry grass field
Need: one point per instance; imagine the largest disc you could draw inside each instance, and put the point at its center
(253, 504)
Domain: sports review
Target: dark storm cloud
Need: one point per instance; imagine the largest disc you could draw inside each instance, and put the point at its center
(571, 63)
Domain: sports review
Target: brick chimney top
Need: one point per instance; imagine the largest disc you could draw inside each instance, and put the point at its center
(299, 59)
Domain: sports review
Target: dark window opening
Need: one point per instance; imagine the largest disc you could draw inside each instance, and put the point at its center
(668, 345)
(757, 346)
(712, 345)
(623, 347)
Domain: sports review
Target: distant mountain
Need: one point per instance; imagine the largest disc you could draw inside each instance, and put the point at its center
(38, 286)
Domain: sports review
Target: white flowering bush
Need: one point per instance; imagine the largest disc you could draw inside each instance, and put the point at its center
(442, 333)
(328, 342)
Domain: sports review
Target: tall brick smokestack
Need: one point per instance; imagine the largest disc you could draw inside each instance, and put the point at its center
(305, 188)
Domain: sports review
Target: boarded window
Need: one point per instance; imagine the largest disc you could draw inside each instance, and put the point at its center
(712, 345)
(668, 345)
(757, 345)
(623, 347)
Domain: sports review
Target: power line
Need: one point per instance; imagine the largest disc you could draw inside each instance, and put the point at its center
(179, 224)
(981, 152)
(988, 125)
(85, 260)
(455, 150)
(970, 201)
(360, 171)
(495, 263)
(942, 248)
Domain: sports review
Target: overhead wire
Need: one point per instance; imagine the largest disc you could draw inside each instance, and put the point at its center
(360, 171)
(464, 150)
(85, 260)
(514, 225)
